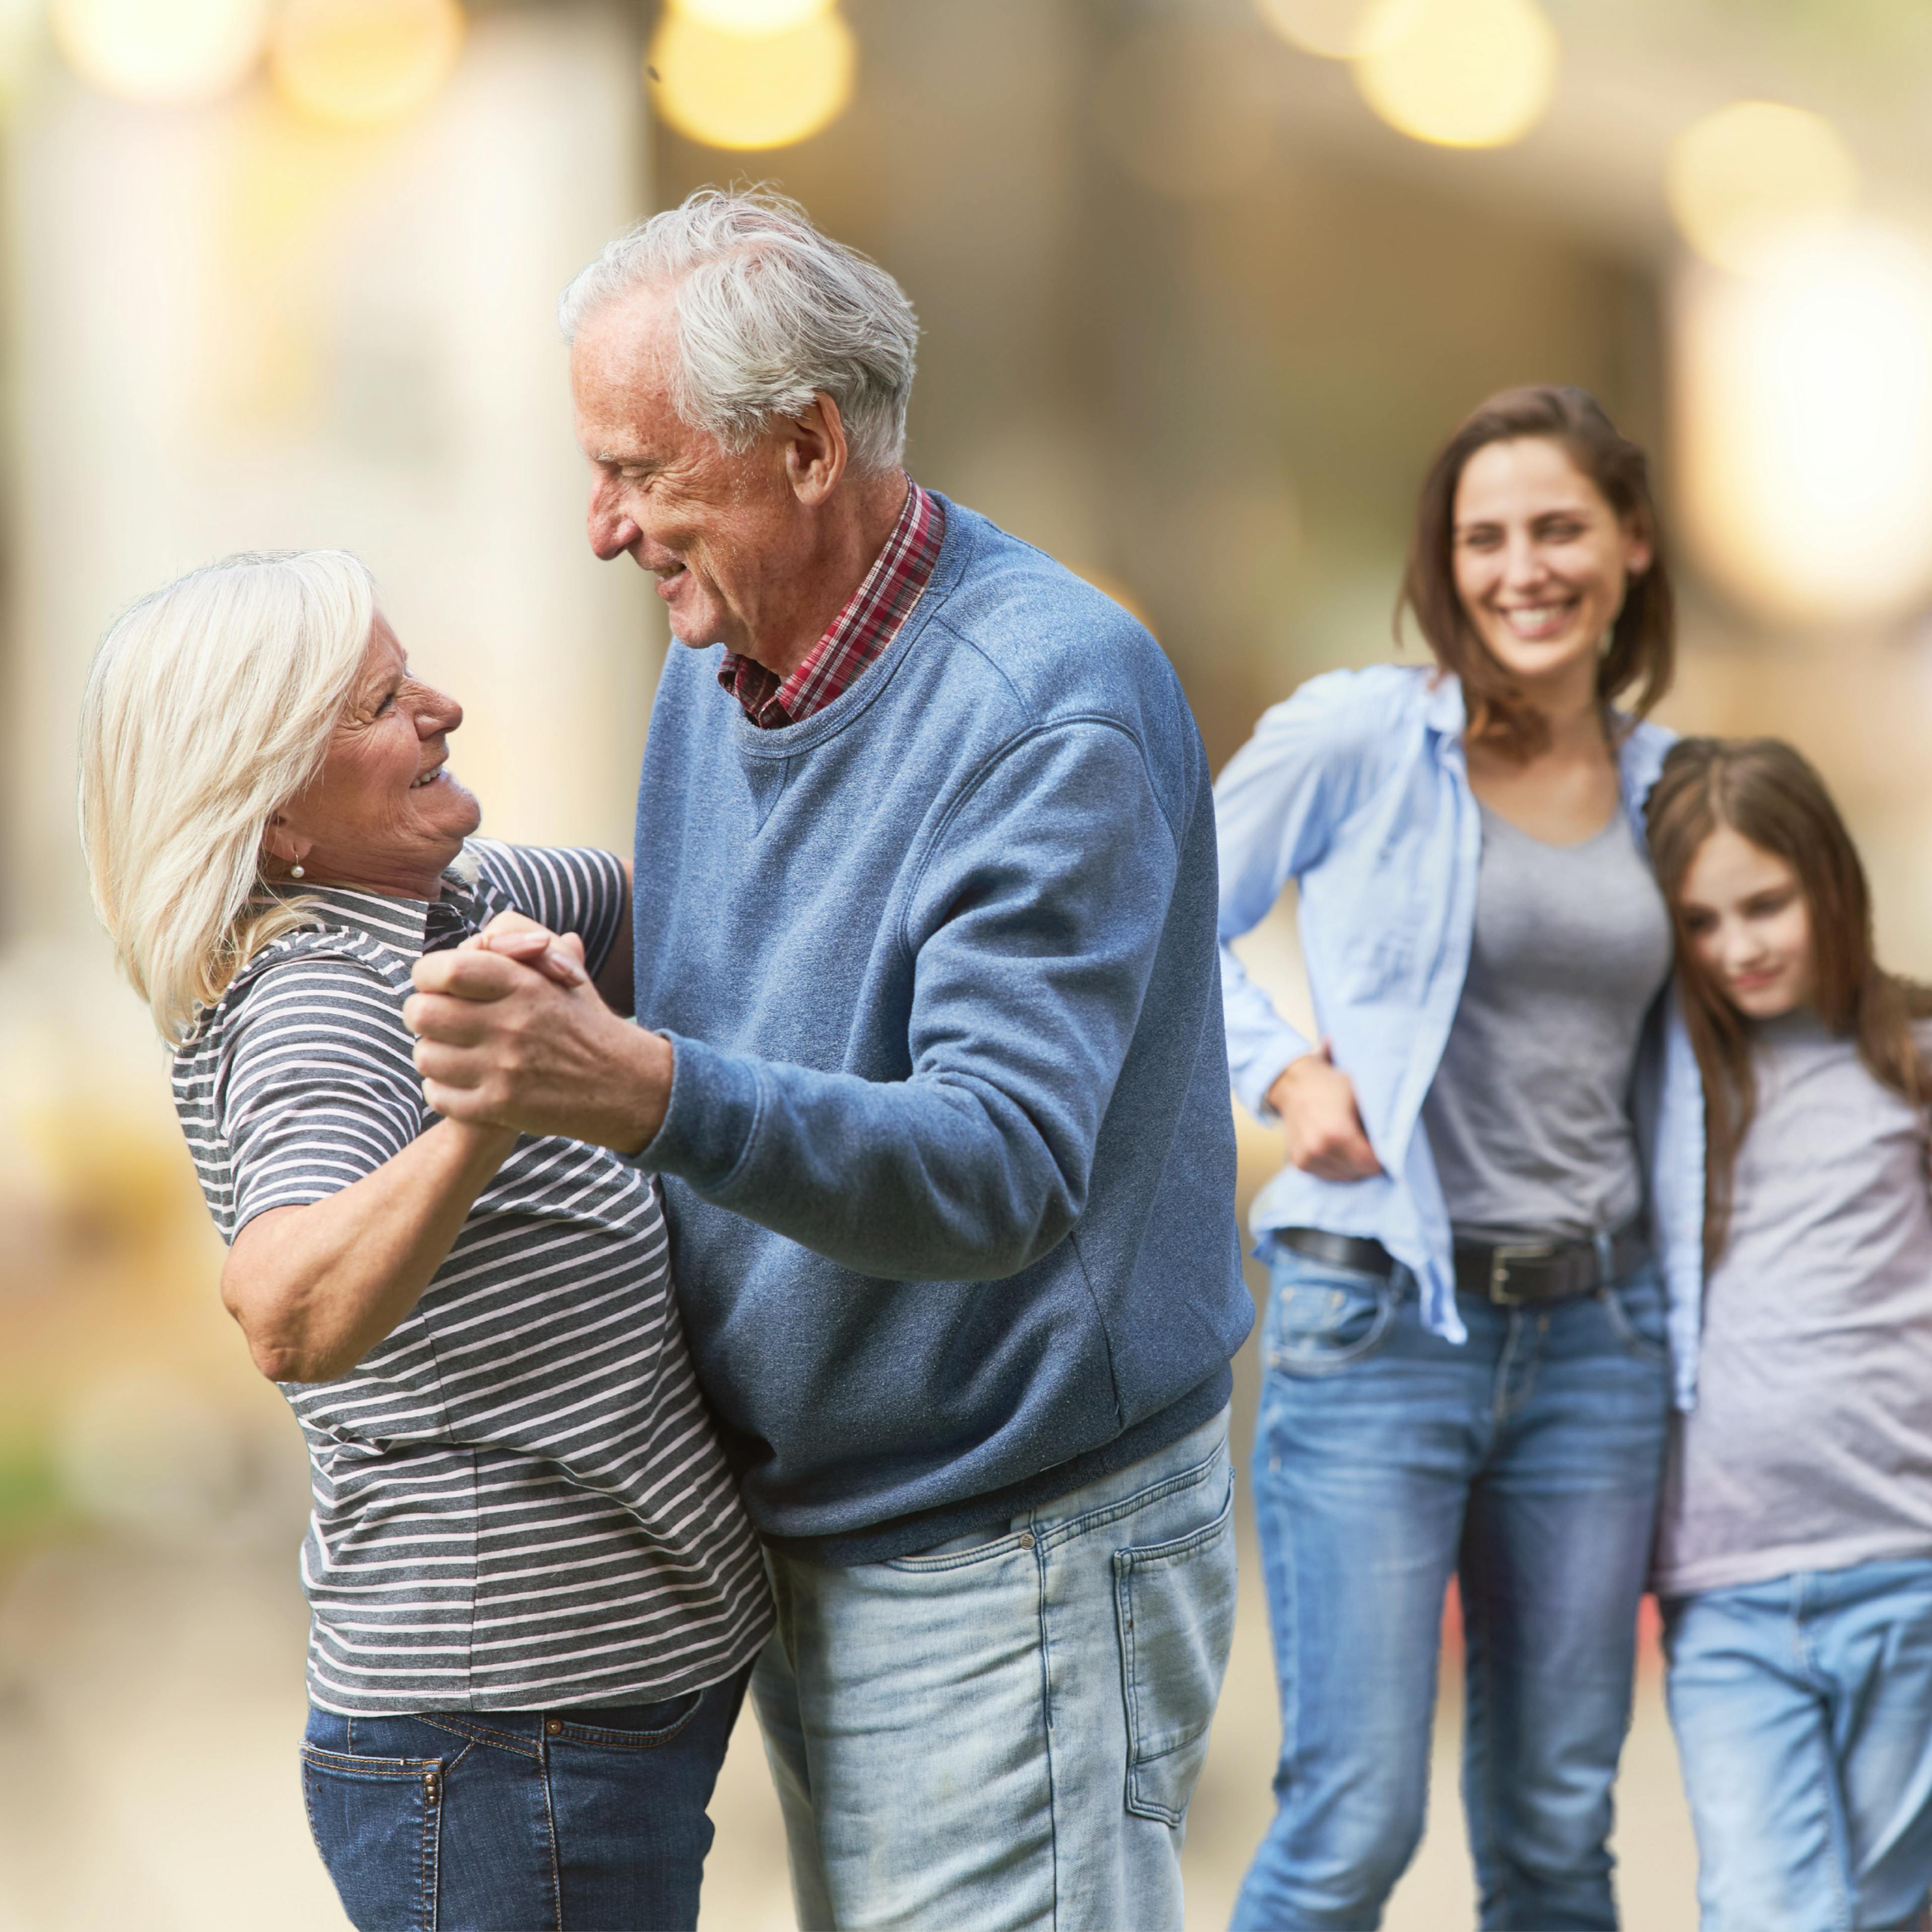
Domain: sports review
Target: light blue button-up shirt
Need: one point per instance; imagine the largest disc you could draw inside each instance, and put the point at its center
(1356, 788)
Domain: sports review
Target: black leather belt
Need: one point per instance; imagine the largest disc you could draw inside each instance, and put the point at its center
(1509, 1273)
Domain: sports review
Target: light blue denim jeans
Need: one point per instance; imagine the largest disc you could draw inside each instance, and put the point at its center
(1005, 1735)
(1803, 1710)
(1525, 1462)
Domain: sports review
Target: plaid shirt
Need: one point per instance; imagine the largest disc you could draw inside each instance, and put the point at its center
(857, 635)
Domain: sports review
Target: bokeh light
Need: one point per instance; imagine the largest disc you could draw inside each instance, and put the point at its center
(1741, 179)
(1186, 111)
(361, 63)
(764, 90)
(23, 31)
(1336, 29)
(1461, 73)
(167, 53)
(751, 16)
(1805, 396)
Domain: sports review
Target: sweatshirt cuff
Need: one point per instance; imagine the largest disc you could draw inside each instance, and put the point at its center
(712, 1114)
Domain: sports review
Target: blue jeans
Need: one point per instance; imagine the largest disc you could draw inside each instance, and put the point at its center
(519, 1821)
(1001, 1734)
(1526, 1463)
(1803, 1710)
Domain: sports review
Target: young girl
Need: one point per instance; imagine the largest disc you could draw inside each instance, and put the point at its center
(1794, 1558)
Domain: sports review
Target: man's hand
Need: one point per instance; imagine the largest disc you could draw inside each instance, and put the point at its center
(1316, 1102)
(512, 1032)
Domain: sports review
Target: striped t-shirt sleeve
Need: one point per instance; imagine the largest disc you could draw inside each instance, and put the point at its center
(569, 888)
(320, 1089)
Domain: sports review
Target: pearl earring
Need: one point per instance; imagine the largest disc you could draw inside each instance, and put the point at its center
(295, 871)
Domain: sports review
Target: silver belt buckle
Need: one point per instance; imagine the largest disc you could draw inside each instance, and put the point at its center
(1507, 1252)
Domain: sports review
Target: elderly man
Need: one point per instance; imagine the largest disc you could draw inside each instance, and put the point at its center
(932, 1070)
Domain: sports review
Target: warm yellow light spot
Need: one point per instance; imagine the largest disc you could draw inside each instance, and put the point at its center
(1805, 424)
(170, 52)
(1462, 73)
(751, 16)
(1337, 29)
(1741, 179)
(362, 63)
(752, 91)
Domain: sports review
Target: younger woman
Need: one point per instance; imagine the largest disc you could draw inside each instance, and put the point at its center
(1486, 1193)
(1794, 1558)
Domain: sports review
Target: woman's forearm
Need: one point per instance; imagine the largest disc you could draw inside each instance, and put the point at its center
(316, 1288)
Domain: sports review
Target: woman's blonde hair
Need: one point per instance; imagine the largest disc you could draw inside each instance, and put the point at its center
(210, 704)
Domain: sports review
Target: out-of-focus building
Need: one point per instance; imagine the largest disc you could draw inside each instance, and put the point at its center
(1203, 283)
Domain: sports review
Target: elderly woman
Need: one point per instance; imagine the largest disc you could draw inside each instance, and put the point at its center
(535, 1597)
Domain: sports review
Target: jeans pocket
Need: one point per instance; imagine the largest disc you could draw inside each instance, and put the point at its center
(1321, 1319)
(378, 1823)
(1640, 1317)
(632, 1727)
(1174, 1602)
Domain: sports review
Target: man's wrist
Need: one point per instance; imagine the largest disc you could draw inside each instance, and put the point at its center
(649, 1065)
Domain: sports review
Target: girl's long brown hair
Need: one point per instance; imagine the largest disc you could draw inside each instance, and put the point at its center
(1642, 646)
(1765, 791)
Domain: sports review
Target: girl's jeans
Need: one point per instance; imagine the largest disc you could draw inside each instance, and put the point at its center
(1803, 1710)
(1525, 1462)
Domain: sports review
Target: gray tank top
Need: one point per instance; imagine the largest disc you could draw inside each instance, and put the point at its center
(1528, 1117)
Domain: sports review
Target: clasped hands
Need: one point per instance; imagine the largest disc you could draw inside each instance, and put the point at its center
(510, 1032)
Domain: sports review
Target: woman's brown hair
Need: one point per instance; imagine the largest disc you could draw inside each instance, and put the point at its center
(1643, 647)
(1764, 791)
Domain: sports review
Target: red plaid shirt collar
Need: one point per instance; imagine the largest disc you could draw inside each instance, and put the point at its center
(859, 633)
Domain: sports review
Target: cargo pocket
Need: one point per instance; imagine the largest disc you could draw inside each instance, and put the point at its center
(1175, 1605)
(378, 1823)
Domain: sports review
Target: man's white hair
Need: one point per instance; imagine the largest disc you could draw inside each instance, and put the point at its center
(769, 312)
(210, 704)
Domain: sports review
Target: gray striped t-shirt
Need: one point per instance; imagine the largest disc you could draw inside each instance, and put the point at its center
(519, 1501)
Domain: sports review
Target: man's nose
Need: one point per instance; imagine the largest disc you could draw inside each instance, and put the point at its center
(612, 531)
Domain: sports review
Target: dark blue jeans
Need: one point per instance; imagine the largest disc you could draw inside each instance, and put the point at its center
(520, 1821)
(1525, 1462)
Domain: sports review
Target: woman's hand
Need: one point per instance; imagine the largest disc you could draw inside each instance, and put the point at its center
(558, 957)
(1316, 1102)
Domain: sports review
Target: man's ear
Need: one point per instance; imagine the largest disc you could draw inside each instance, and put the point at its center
(815, 452)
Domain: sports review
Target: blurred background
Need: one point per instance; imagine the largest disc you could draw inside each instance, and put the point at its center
(1203, 283)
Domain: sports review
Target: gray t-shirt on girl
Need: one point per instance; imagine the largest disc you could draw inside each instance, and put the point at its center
(1528, 1117)
(1811, 1447)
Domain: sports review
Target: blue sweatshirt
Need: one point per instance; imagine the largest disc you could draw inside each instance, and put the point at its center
(949, 1158)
